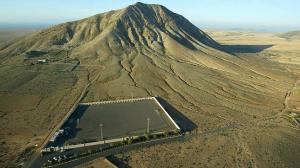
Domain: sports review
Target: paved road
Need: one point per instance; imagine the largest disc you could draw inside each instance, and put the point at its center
(42, 159)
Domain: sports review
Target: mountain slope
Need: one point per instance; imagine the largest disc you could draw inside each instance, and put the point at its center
(133, 29)
(147, 50)
(136, 25)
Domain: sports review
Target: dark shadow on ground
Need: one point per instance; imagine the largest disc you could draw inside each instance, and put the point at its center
(70, 130)
(118, 162)
(35, 54)
(245, 48)
(183, 122)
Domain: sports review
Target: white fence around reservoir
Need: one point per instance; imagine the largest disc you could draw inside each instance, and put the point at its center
(109, 141)
(166, 113)
(116, 139)
(118, 101)
(134, 100)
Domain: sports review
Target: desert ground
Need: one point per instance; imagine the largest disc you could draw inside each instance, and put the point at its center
(7, 35)
(259, 139)
(283, 50)
(98, 163)
(243, 94)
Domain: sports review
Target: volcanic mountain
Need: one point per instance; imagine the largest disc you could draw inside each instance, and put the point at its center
(147, 50)
(137, 27)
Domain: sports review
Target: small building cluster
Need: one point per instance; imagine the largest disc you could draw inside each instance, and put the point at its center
(42, 61)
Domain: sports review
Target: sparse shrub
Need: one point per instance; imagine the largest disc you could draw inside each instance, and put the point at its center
(129, 141)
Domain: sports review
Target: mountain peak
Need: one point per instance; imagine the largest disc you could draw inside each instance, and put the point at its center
(137, 26)
(143, 7)
(139, 4)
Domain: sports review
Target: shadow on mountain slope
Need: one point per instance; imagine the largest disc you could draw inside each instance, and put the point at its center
(245, 48)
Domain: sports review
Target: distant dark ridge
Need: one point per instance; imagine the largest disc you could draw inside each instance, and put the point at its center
(4, 25)
(292, 35)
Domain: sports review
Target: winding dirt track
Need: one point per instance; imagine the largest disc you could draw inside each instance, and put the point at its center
(287, 96)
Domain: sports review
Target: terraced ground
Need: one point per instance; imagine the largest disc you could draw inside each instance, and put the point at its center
(238, 100)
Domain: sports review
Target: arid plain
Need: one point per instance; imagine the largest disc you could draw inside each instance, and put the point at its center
(240, 89)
